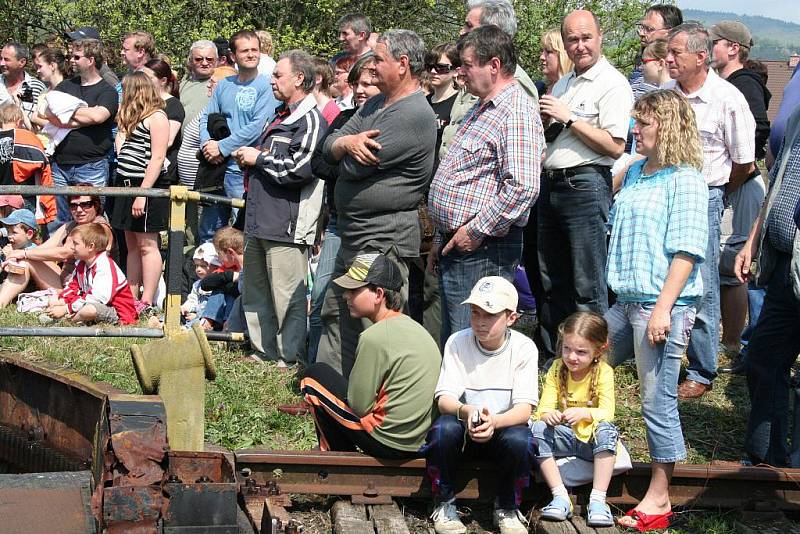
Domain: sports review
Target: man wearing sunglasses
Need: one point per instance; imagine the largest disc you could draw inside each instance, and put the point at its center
(193, 89)
(82, 157)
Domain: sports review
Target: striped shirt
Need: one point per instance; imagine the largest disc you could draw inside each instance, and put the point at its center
(35, 88)
(727, 127)
(654, 217)
(489, 178)
(134, 156)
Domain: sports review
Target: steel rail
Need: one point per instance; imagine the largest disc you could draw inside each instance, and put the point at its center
(373, 480)
(28, 190)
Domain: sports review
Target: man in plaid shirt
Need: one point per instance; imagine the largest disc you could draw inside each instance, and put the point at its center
(484, 188)
(727, 130)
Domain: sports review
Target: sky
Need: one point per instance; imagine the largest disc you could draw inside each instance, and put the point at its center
(787, 10)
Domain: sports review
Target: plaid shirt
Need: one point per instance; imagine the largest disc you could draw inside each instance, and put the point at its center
(489, 178)
(780, 224)
(653, 218)
(726, 124)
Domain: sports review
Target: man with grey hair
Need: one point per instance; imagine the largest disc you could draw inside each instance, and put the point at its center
(385, 158)
(283, 205)
(25, 89)
(193, 89)
(727, 130)
(354, 32)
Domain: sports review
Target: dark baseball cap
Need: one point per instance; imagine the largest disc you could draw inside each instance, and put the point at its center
(85, 32)
(733, 31)
(375, 269)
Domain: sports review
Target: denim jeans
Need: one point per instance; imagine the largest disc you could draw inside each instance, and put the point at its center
(511, 448)
(218, 308)
(657, 368)
(322, 278)
(571, 240)
(95, 173)
(755, 301)
(773, 349)
(559, 441)
(703, 345)
(459, 271)
(215, 216)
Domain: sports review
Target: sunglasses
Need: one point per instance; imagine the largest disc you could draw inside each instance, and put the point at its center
(85, 205)
(77, 57)
(645, 61)
(440, 68)
(203, 59)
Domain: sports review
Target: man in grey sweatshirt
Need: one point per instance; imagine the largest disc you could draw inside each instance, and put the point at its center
(385, 156)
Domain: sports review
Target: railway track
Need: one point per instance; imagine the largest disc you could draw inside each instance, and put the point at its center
(59, 422)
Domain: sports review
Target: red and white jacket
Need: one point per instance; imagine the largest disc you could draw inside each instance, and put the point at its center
(102, 282)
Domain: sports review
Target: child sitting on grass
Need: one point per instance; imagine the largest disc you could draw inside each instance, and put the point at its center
(98, 291)
(21, 230)
(575, 414)
(486, 391)
(205, 261)
(224, 286)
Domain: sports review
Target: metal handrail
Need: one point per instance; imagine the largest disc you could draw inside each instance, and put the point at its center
(178, 196)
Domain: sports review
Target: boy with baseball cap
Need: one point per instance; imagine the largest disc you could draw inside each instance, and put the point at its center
(486, 391)
(387, 406)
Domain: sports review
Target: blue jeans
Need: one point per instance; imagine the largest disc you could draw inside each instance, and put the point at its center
(218, 308)
(459, 271)
(657, 367)
(755, 301)
(215, 216)
(322, 278)
(511, 448)
(94, 173)
(773, 349)
(702, 352)
(560, 441)
(571, 240)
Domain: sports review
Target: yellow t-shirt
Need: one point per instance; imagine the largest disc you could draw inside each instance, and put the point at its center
(602, 408)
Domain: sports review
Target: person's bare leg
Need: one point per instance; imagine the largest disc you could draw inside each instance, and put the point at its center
(656, 500)
(550, 472)
(87, 314)
(45, 274)
(151, 265)
(733, 306)
(13, 285)
(603, 469)
(134, 263)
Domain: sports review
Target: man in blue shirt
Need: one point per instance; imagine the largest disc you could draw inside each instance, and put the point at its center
(247, 103)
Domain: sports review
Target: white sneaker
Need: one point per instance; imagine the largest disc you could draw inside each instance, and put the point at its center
(510, 522)
(446, 521)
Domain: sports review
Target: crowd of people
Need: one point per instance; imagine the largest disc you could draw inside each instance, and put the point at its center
(404, 201)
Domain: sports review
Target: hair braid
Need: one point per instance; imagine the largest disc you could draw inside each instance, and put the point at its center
(563, 393)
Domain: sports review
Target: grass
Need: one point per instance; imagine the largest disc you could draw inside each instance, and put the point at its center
(241, 404)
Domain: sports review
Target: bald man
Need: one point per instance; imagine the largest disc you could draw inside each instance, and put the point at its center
(587, 118)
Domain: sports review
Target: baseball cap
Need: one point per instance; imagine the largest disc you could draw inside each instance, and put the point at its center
(15, 201)
(85, 32)
(22, 216)
(374, 269)
(493, 294)
(733, 31)
(207, 253)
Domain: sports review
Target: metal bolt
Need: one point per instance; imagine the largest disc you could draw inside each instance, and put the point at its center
(203, 480)
(173, 479)
(292, 527)
(371, 491)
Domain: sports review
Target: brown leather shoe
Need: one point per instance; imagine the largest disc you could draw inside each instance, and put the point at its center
(690, 389)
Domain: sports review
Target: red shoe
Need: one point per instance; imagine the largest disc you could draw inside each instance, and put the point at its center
(300, 408)
(644, 522)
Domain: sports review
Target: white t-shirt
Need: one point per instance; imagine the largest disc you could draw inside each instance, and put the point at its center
(497, 380)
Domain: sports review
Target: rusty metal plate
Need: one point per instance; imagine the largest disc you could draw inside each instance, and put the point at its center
(46, 503)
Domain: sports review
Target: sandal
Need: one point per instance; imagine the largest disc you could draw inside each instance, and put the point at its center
(598, 514)
(559, 509)
(644, 522)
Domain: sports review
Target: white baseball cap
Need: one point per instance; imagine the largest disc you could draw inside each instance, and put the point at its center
(494, 294)
(207, 253)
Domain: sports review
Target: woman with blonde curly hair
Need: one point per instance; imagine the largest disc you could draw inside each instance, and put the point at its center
(659, 232)
(142, 141)
(554, 60)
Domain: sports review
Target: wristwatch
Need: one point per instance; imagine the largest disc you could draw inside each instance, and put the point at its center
(571, 120)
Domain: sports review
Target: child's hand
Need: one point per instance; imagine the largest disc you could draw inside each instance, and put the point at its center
(56, 311)
(485, 430)
(553, 418)
(575, 415)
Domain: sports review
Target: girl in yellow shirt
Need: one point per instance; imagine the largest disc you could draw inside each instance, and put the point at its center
(574, 416)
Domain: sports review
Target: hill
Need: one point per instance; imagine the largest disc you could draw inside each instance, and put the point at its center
(774, 39)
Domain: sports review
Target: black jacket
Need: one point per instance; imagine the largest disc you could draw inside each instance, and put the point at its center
(758, 96)
(211, 177)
